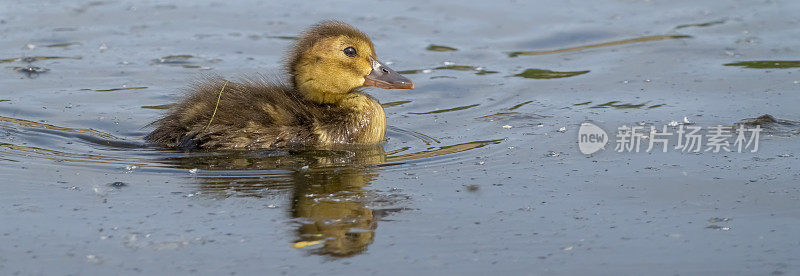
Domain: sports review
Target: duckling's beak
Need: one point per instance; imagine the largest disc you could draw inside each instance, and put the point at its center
(386, 78)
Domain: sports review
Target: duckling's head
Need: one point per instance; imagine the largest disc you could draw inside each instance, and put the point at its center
(331, 59)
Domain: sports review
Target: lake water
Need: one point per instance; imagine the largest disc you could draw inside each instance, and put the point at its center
(481, 172)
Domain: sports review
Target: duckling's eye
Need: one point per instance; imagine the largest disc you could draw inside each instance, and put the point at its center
(350, 51)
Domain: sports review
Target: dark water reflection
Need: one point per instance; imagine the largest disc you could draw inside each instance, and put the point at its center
(335, 214)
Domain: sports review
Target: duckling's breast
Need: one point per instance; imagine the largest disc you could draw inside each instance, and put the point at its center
(362, 121)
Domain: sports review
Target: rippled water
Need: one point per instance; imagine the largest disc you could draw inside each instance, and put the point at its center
(480, 173)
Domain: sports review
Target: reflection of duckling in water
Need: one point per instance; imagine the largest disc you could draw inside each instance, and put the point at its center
(321, 107)
(333, 210)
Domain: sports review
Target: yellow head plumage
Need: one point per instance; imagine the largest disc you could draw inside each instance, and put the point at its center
(331, 59)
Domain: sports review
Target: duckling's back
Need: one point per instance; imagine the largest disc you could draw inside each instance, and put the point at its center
(251, 114)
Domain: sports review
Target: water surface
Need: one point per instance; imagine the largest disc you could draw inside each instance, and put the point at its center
(481, 171)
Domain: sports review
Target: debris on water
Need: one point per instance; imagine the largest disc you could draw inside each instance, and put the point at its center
(440, 48)
(62, 45)
(130, 168)
(717, 227)
(527, 208)
(34, 58)
(122, 88)
(548, 74)
(705, 24)
(715, 220)
(764, 64)
(31, 71)
(552, 154)
(194, 171)
(117, 185)
(103, 47)
(472, 188)
(769, 125)
(507, 126)
(760, 120)
(174, 59)
(785, 155)
(396, 103)
(162, 106)
(283, 37)
(618, 105)
(562, 129)
(185, 61)
(685, 121)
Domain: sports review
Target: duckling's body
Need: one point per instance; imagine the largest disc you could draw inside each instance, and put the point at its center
(321, 107)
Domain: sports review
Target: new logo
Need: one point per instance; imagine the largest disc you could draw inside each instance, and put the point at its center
(591, 138)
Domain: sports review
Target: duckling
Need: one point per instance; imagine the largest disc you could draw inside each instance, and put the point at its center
(322, 105)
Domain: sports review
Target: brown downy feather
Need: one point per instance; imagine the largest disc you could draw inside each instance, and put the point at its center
(251, 114)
